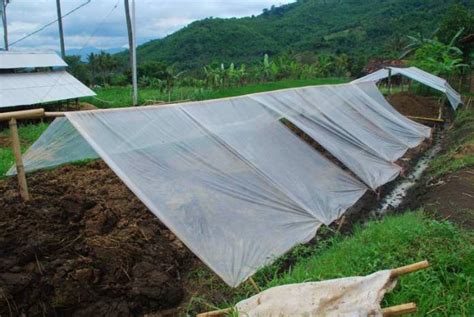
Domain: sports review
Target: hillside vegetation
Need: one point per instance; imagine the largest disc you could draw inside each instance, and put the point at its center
(357, 28)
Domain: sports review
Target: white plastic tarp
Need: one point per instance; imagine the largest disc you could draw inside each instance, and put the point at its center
(59, 144)
(12, 60)
(22, 89)
(234, 214)
(419, 75)
(351, 125)
(255, 134)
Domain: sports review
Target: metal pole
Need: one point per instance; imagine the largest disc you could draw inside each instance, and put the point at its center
(60, 24)
(389, 81)
(132, 45)
(134, 60)
(4, 20)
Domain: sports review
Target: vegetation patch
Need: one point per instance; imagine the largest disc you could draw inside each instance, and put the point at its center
(460, 151)
(116, 97)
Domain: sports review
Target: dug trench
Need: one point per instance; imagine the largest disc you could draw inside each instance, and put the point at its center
(85, 245)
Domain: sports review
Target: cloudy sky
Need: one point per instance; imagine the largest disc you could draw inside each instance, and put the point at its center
(101, 23)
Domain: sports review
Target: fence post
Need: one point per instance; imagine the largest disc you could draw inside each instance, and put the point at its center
(20, 169)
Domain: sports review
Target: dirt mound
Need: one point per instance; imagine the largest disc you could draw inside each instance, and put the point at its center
(450, 197)
(85, 245)
(414, 105)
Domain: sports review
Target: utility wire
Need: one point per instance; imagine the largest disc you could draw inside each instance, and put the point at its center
(99, 25)
(50, 23)
(90, 37)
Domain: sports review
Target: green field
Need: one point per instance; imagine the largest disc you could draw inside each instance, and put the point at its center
(115, 97)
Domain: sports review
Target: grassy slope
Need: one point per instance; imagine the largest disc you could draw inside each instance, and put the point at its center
(461, 152)
(397, 241)
(115, 97)
(444, 289)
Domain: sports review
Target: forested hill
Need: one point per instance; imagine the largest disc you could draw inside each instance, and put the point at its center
(369, 28)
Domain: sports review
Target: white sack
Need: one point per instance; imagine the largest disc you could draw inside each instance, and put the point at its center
(344, 297)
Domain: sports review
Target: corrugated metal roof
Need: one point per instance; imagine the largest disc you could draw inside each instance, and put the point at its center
(23, 89)
(12, 60)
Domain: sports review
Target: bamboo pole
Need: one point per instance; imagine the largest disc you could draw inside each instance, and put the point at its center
(215, 313)
(254, 285)
(20, 169)
(399, 310)
(54, 114)
(22, 114)
(425, 118)
(409, 268)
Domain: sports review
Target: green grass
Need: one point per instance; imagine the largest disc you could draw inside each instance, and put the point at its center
(28, 134)
(115, 97)
(460, 153)
(444, 289)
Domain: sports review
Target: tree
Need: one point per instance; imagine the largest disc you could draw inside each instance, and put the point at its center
(78, 68)
(439, 58)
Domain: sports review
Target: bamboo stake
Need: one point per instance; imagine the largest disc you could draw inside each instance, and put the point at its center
(20, 169)
(399, 310)
(215, 313)
(425, 119)
(409, 268)
(254, 285)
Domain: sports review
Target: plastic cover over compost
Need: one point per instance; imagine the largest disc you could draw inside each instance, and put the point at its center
(419, 75)
(236, 185)
(234, 212)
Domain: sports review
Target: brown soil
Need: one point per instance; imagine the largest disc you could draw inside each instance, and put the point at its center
(450, 197)
(414, 105)
(85, 245)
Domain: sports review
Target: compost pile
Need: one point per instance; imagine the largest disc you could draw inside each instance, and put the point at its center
(85, 245)
(413, 105)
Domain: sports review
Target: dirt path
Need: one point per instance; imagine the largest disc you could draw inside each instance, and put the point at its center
(85, 245)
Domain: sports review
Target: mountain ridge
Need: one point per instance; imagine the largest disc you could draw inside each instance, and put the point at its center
(372, 28)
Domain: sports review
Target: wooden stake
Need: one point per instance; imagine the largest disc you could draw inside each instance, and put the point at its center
(20, 169)
(399, 310)
(254, 285)
(409, 268)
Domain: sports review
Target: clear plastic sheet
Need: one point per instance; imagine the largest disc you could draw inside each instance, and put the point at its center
(352, 126)
(59, 144)
(254, 133)
(220, 199)
(419, 75)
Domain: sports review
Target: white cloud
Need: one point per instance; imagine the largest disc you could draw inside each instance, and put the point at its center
(99, 24)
